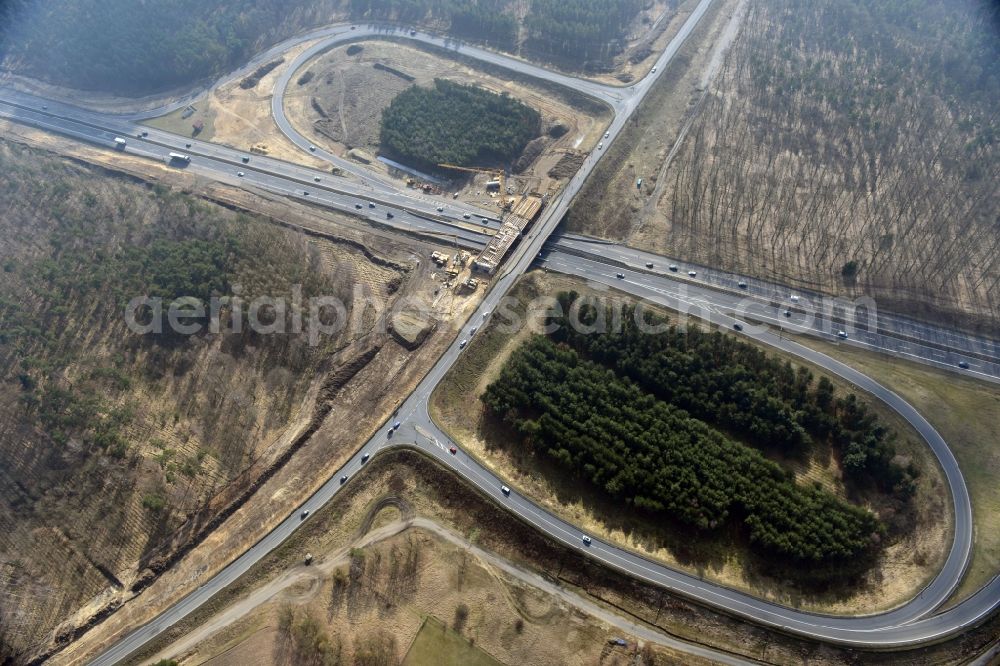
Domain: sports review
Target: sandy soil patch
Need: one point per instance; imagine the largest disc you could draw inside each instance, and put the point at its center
(241, 118)
(337, 100)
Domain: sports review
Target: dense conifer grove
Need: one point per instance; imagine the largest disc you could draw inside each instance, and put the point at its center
(677, 423)
(456, 124)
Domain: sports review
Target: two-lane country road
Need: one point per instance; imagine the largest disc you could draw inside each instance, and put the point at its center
(912, 623)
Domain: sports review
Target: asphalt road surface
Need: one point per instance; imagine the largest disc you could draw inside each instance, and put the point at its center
(411, 213)
(763, 301)
(915, 622)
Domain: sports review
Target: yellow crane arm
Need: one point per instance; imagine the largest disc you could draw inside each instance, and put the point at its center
(469, 169)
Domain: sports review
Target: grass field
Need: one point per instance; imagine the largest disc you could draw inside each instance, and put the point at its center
(967, 414)
(437, 645)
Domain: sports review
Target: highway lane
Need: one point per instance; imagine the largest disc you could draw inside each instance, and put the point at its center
(768, 302)
(224, 164)
(963, 346)
(359, 182)
(919, 341)
(910, 623)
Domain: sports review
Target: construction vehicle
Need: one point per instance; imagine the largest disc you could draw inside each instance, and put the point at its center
(496, 176)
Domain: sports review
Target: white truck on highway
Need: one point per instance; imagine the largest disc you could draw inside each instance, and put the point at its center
(178, 157)
(120, 143)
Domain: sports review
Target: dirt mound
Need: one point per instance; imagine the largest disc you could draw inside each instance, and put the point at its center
(567, 166)
(410, 329)
(359, 155)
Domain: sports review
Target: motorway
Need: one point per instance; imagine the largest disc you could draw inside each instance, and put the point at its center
(411, 212)
(912, 623)
(757, 300)
(416, 214)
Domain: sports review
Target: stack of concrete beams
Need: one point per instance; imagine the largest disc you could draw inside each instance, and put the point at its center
(522, 214)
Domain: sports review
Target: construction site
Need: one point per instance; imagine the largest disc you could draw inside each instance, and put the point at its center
(523, 211)
(516, 213)
(338, 94)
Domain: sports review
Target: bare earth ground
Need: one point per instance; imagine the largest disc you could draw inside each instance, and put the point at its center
(241, 118)
(610, 204)
(340, 107)
(907, 563)
(464, 549)
(967, 414)
(357, 408)
(367, 589)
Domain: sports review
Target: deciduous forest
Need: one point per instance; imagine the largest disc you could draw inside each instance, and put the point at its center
(854, 146)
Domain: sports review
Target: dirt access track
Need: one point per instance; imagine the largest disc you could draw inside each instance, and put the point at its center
(337, 100)
(396, 579)
(407, 539)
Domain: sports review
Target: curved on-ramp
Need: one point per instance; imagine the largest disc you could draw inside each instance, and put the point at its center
(859, 631)
(910, 624)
